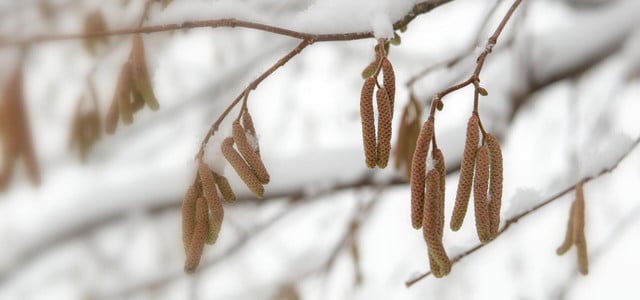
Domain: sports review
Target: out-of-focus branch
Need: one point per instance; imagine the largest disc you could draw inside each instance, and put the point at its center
(418, 9)
(533, 209)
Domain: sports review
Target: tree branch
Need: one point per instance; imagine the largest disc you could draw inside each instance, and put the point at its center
(535, 208)
(475, 77)
(418, 9)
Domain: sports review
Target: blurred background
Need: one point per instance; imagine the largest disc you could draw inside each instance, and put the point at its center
(104, 220)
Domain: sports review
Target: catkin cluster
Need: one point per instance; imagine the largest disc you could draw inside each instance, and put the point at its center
(427, 197)
(407, 136)
(133, 88)
(15, 134)
(202, 213)
(245, 157)
(481, 168)
(377, 147)
(575, 231)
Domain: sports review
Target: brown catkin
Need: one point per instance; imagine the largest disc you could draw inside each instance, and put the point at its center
(189, 215)
(389, 80)
(578, 231)
(368, 122)
(407, 136)
(141, 73)
(438, 158)
(418, 169)
(433, 264)
(247, 123)
(210, 193)
(583, 258)
(466, 173)
(495, 183)
(480, 187)
(123, 92)
(113, 114)
(384, 127)
(248, 153)
(199, 237)
(431, 231)
(225, 188)
(241, 167)
(207, 181)
(216, 212)
(568, 238)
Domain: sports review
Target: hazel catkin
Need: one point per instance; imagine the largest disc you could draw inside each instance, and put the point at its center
(430, 225)
(466, 173)
(418, 169)
(198, 238)
(247, 151)
(368, 122)
(241, 167)
(389, 80)
(384, 127)
(480, 186)
(578, 231)
(568, 238)
(140, 73)
(189, 215)
(225, 188)
(495, 183)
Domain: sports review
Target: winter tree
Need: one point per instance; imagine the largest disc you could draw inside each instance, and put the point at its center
(319, 149)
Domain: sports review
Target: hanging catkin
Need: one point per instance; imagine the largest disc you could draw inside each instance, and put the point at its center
(225, 188)
(189, 216)
(389, 80)
(241, 167)
(495, 183)
(430, 225)
(466, 173)
(575, 231)
(418, 169)
(580, 240)
(140, 73)
(368, 122)
(248, 152)
(198, 238)
(480, 186)
(384, 127)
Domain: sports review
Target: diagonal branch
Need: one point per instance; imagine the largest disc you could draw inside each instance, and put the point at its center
(418, 9)
(535, 208)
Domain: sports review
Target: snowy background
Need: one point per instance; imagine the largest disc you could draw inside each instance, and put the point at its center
(564, 94)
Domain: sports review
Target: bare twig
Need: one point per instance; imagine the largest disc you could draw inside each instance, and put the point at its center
(418, 9)
(475, 77)
(456, 59)
(535, 208)
(252, 86)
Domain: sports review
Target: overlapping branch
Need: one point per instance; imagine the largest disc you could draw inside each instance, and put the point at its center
(516, 218)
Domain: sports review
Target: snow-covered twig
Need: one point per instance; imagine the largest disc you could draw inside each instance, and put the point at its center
(418, 9)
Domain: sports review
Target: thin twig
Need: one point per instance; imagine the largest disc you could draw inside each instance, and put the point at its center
(535, 208)
(456, 59)
(418, 9)
(475, 77)
(252, 86)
